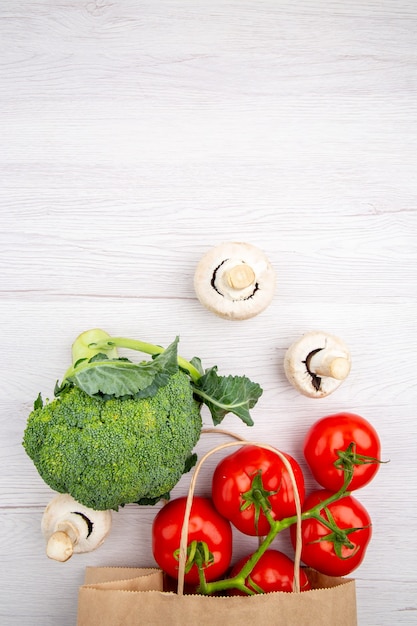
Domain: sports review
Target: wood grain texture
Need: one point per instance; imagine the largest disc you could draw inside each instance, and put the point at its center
(135, 136)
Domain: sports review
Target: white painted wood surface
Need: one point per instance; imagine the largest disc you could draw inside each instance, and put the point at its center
(135, 135)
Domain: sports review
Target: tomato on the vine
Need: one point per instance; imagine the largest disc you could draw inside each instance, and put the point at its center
(206, 526)
(273, 572)
(337, 546)
(338, 441)
(252, 478)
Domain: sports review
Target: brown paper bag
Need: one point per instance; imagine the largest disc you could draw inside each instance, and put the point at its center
(136, 597)
(141, 601)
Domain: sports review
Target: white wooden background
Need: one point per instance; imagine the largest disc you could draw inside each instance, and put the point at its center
(135, 136)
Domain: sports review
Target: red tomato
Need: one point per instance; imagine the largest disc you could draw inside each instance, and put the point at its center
(321, 554)
(273, 572)
(335, 433)
(205, 525)
(233, 478)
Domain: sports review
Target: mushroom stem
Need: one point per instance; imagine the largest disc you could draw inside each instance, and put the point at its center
(61, 543)
(329, 363)
(240, 276)
(235, 279)
(60, 546)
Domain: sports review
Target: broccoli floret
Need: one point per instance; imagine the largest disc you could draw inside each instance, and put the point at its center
(110, 453)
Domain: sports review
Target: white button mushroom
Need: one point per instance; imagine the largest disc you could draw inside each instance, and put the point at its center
(235, 280)
(317, 364)
(69, 527)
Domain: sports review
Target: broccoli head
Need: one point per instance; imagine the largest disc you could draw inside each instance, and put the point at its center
(121, 450)
(120, 432)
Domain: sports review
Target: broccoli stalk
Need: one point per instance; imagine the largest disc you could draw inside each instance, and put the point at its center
(93, 342)
(98, 371)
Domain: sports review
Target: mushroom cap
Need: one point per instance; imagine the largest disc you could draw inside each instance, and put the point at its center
(317, 364)
(235, 280)
(66, 522)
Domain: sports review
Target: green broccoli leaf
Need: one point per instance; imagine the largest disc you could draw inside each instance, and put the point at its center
(107, 378)
(61, 388)
(196, 362)
(190, 462)
(227, 394)
(38, 404)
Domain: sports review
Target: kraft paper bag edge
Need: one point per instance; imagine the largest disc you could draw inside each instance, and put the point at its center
(150, 582)
(108, 605)
(103, 574)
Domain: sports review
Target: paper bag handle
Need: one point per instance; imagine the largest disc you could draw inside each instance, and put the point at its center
(184, 531)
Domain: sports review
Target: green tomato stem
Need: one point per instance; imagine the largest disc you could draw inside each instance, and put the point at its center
(238, 581)
(202, 588)
(276, 526)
